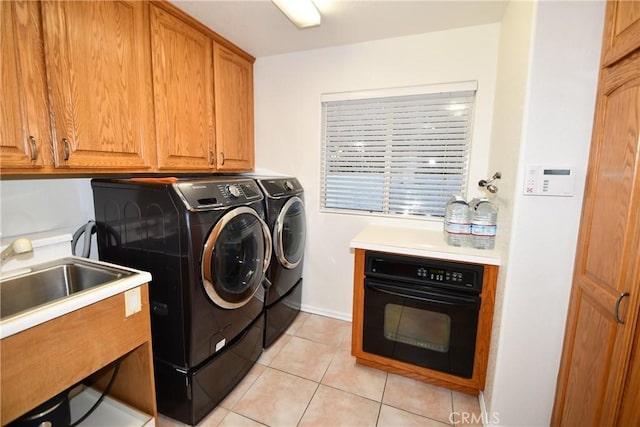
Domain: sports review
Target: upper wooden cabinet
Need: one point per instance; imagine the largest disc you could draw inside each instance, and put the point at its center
(621, 31)
(233, 77)
(98, 68)
(183, 93)
(120, 87)
(25, 135)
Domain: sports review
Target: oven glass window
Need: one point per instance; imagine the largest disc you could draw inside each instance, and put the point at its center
(419, 328)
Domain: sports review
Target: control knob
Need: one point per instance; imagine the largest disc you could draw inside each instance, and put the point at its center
(234, 191)
(288, 185)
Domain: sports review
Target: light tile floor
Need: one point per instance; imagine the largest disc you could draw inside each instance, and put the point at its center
(309, 378)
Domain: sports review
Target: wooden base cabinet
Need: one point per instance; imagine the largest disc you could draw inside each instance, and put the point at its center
(42, 361)
(599, 378)
(472, 385)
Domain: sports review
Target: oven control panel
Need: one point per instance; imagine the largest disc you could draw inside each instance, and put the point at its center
(425, 271)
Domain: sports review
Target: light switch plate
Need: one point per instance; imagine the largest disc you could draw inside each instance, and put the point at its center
(132, 301)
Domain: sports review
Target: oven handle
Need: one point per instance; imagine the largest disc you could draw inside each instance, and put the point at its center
(419, 295)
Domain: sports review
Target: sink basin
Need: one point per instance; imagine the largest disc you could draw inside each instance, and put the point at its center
(51, 281)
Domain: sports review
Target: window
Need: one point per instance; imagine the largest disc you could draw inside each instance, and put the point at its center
(403, 153)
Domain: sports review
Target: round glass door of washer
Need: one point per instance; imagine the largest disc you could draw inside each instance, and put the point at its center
(290, 233)
(235, 258)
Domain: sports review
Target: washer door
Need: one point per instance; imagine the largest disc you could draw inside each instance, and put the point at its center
(235, 258)
(290, 232)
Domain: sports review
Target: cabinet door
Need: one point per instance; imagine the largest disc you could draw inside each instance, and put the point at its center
(605, 289)
(25, 139)
(233, 82)
(622, 30)
(98, 62)
(183, 93)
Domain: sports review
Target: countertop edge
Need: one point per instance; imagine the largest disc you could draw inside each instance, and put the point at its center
(449, 256)
(75, 302)
(421, 243)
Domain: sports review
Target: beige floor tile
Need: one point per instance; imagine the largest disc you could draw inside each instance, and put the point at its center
(168, 422)
(466, 409)
(324, 330)
(418, 398)
(331, 407)
(297, 323)
(346, 375)
(270, 353)
(276, 398)
(304, 358)
(242, 387)
(214, 418)
(394, 417)
(237, 420)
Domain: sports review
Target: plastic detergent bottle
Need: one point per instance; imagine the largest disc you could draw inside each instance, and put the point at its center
(457, 223)
(484, 224)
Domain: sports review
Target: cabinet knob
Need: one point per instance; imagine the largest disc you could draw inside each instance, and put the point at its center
(222, 157)
(66, 148)
(34, 148)
(212, 158)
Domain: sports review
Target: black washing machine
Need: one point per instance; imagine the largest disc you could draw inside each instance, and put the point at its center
(284, 203)
(207, 247)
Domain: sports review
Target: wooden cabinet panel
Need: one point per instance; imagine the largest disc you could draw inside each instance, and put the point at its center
(25, 137)
(115, 76)
(622, 30)
(98, 66)
(472, 385)
(44, 360)
(233, 82)
(183, 93)
(597, 346)
(629, 413)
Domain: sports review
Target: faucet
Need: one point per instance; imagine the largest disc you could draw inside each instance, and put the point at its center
(19, 246)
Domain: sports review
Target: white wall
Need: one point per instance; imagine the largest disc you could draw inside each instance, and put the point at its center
(288, 134)
(555, 129)
(31, 206)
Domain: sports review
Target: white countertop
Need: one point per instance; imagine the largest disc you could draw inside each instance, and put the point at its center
(419, 242)
(28, 319)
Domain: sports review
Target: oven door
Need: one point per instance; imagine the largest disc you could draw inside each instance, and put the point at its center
(423, 326)
(235, 257)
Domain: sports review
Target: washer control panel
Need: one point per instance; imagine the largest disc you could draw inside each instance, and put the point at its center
(201, 195)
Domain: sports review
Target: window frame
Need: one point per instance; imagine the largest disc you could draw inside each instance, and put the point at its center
(455, 87)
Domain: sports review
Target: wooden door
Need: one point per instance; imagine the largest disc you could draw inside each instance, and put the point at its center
(233, 83)
(98, 65)
(183, 93)
(621, 31)
(606, 286)
(25, 138)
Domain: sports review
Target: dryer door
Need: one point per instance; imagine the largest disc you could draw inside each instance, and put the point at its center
(235, 258)
(290, 232)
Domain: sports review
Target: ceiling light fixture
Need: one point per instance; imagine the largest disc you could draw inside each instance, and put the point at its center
(303, 13)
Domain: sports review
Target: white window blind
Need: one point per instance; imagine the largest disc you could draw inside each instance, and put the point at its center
(396, 155)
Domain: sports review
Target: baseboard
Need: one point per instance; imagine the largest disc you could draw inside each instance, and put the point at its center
(328, 313)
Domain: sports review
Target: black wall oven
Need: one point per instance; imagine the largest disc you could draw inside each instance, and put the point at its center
(422, 311)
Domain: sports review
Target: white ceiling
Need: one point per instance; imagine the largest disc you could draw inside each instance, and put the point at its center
(258, 26)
